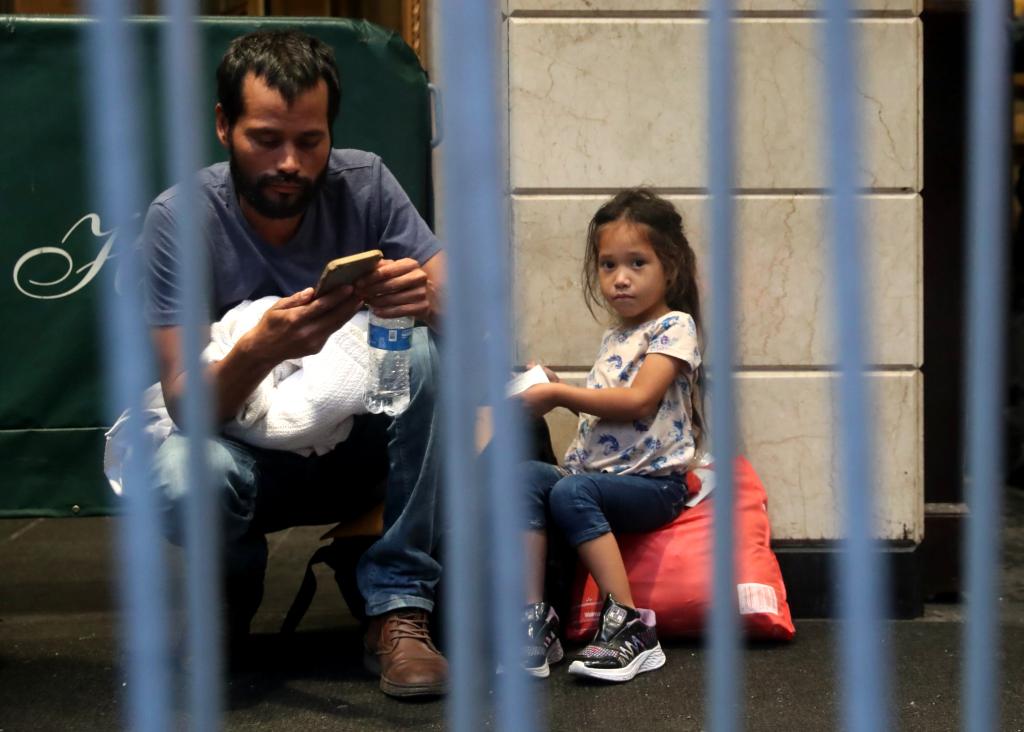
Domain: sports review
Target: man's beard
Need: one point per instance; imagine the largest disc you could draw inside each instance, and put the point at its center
(253, 190)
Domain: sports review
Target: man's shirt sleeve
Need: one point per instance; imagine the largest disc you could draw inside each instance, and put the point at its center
(160, 253)
(404, 233)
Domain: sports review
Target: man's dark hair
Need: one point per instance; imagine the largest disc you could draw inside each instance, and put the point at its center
(289, 61)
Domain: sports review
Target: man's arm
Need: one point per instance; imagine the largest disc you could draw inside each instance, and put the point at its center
(403, 286)
(294, 327)
(232, 379)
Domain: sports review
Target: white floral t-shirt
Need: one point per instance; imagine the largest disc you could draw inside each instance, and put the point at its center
(663, 442)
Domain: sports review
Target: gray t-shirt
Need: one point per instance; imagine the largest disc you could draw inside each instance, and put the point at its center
(361, 206)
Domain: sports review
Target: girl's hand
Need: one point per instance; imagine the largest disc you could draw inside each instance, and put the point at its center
(552, 376)
(540, 399)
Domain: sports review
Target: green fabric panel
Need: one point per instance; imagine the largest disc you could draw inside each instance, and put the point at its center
(51, 354)
(48, 472)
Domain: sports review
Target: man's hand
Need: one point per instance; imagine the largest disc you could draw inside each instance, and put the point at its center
(299, 325)
(397, 288)
(294, 327)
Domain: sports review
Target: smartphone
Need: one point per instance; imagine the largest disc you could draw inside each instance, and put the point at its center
(346, 270)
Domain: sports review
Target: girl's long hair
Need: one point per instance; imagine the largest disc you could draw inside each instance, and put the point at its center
(663, 227)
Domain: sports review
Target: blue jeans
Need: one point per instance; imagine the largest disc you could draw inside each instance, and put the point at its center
(587, 505)
(268, 490)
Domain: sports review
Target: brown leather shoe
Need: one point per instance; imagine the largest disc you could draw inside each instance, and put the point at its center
(397, 646)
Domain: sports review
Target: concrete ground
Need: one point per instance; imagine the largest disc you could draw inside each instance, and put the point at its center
(60, 667)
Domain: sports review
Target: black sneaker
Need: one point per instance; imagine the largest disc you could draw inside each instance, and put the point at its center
(542, 645)
(626, 644)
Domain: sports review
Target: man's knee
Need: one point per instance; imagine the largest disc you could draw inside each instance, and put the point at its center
(230, 476)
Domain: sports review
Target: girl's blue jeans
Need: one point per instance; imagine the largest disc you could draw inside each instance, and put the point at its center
(587, 505)
(262, 491)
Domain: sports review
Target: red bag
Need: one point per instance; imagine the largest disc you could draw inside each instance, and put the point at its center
(670, 570)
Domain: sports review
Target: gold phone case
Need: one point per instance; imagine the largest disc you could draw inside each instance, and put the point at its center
(346, 270)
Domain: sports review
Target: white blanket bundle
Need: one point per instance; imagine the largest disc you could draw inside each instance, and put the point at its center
(304, 405)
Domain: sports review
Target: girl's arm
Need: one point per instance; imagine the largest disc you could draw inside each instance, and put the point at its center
(624, 404)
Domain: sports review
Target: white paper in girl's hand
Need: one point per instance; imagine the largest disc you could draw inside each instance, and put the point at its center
(525, 380)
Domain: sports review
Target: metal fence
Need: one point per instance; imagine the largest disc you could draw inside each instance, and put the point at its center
(477, 241)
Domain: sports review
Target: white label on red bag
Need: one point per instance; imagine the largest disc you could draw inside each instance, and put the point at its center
(757, 598)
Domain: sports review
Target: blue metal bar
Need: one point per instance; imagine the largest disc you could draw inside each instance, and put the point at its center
(477, 361)
(180, 56)
(725, 682)
(113, 85)
(987, 239)
(463, 390)
(515, 710)
(461, 393)
(865, 707)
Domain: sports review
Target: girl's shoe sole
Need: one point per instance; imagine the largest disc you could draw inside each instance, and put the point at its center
(646, 661)
(554, 655)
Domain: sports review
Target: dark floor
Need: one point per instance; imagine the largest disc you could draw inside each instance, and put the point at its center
(59, 664)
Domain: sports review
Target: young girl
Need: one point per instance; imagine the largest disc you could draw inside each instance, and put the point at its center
(640, 429)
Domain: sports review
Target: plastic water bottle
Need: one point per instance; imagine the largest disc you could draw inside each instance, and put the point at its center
(387, 385)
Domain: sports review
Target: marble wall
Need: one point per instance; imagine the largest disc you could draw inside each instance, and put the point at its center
(610, 93)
